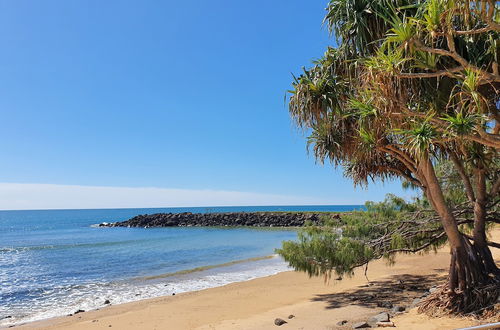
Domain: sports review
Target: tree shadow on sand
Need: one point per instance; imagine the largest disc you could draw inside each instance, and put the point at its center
(396, 290)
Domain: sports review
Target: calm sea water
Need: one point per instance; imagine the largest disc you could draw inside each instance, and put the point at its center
(54, 262)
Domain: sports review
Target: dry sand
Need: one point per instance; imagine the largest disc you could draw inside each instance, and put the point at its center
(257, 303)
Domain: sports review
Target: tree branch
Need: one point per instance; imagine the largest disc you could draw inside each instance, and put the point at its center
(492, 244)
(495, 189)
(420, 248)
(441, 73)
(489, 27)
(465, 178)
(488, 77)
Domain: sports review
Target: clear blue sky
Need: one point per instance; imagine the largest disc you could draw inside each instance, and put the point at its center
(172, 94)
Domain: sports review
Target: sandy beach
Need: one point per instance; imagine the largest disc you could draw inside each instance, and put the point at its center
(313, 303)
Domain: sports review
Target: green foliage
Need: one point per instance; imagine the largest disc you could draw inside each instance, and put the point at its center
(461, 124)
(340, 245)
(419, 139)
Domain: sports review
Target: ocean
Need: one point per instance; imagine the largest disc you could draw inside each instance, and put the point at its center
(55, 262)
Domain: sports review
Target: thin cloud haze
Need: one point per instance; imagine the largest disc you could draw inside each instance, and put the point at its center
(23, 196)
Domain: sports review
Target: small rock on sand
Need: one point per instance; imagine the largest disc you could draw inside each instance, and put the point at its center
(398, 309)
(279, 322)
(384, 304)
(341, 323)
(291, 316)
(107, 302)
(385, 324)
(361, 325)
(382, 317)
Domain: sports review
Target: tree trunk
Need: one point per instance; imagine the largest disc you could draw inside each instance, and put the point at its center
(479, 234)
(471, 285)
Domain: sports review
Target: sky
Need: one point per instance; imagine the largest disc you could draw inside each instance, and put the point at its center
(171, 95)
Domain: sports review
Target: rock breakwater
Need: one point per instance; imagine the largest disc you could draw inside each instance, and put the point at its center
(250, 219)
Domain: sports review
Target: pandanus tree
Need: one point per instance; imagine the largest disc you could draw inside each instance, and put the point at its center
(409, 86)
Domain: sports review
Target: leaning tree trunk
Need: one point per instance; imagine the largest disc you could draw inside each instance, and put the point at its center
(479, 234)
(472, 282)
(478, 198)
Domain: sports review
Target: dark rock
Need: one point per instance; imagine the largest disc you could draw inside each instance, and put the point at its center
(107, 302)
(341, 323)
(361, 325)
(384, 304)
(398, 309)
(254, 219)
(79, 311)
(279, 322)
(291, 316)
(173, 294)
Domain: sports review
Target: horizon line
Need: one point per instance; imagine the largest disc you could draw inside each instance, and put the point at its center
(171, 207)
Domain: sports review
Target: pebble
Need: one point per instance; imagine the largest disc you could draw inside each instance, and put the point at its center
(279, 322)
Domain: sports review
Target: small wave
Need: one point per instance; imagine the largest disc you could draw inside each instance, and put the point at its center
(203, 268)
(66, 246)
(25, 248)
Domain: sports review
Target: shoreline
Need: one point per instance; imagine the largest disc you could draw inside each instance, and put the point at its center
(254, 304)
(163, 285)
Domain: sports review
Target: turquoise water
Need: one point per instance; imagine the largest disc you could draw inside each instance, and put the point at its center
(54, 262)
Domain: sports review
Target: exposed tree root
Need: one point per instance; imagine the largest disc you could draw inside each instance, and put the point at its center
(480, 302)
(492, 314)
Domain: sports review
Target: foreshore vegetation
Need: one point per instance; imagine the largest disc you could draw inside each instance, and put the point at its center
(409, 92)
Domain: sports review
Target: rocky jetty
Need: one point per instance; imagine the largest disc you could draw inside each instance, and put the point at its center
(250, 219)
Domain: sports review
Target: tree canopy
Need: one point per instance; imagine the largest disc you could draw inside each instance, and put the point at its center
(411, 92)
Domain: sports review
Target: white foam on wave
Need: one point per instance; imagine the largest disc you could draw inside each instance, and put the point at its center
(66, 300)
